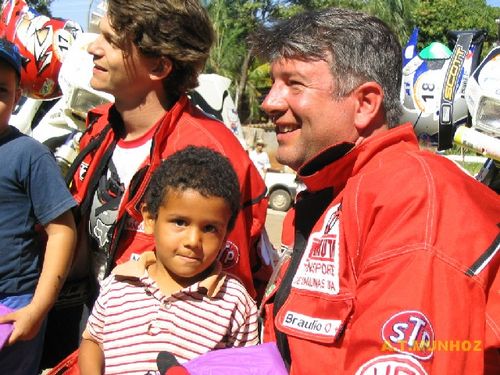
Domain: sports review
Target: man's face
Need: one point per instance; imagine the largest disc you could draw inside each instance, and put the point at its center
(116, 71)
(308, 117)
(9, 93)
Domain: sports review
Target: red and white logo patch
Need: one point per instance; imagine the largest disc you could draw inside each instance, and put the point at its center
(318, 270)
(409, 332)
(394, 364)
(229, 256)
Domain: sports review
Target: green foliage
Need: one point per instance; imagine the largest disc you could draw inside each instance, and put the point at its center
(435, 17)
(42, 6)
(235, 20)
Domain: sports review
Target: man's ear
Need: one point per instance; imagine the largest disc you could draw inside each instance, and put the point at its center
(161, 68)
(369, 97)
(148, 219)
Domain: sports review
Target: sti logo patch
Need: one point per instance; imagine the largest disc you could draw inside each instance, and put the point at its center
(409, 332)
(394, 364)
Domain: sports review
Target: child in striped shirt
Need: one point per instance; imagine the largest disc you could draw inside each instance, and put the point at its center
(176, 299)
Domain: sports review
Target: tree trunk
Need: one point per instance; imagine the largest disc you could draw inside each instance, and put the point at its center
(243, 79)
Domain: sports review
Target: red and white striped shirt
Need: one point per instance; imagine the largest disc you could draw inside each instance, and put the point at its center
(133, 320)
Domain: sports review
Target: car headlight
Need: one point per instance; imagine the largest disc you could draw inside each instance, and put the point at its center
(81, 101)
(482, 95)
(488, 115)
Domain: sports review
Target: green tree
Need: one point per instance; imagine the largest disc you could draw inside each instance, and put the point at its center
(396, 13)
(234, 20)
(42, 6)
(436, 17)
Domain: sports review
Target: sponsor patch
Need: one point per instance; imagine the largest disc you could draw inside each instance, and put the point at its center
(409, 332)
(319, 267)
(230, 255)
(310, 324)
(394, 364)
(83, 171)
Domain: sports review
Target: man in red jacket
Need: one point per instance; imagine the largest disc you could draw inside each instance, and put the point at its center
(395, 261)
(148, 56)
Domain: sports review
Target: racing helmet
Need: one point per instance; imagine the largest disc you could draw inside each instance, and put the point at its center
(42, 41)
(423, 77)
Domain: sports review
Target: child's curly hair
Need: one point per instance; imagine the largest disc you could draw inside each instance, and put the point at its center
(199, 168)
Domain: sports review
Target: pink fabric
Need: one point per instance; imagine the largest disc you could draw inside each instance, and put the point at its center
(261, 359)
(6, 328)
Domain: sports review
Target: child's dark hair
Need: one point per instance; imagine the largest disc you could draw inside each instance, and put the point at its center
(198, 168)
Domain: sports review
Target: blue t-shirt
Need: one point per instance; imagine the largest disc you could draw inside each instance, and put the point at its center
(32, 191)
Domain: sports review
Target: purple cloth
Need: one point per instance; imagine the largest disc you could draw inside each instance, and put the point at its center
(6, 328)
(262, 359)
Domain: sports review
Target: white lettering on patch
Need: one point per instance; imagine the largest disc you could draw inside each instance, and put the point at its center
(310, 324)
(319, 267)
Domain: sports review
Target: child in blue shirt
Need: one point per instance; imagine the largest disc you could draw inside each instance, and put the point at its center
(32, 195)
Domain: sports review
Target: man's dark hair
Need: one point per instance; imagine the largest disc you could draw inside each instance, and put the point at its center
(179, 30)
(358, 47)
(199, 168)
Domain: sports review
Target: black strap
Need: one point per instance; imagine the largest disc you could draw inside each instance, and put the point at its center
(308, 210)
(96, 142)
(445, 134)
(485, 258)
(116, 231)
(94, 179)
(110, 190)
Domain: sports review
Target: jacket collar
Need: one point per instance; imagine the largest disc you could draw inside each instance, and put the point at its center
(333, 166)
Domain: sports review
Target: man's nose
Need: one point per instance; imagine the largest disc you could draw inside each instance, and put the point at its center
(274, 102)
(94, 46)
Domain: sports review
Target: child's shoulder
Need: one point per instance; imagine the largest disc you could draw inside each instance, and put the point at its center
(233, 287)
(22, 143)
(117, 283)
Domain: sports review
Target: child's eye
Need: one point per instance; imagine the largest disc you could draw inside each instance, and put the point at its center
(210, 229)
(180, 222)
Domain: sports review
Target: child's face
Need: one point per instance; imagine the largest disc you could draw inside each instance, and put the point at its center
(9, 93)
(189, 232)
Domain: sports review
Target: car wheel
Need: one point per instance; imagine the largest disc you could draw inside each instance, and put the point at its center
(280, 200)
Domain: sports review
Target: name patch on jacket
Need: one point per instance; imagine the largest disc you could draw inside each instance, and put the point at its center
(310, 324)
(319, 267)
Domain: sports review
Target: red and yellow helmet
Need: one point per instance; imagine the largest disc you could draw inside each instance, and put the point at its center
(42, 41)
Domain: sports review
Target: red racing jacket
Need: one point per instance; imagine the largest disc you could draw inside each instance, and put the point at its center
(182, 125)
(394, 268)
